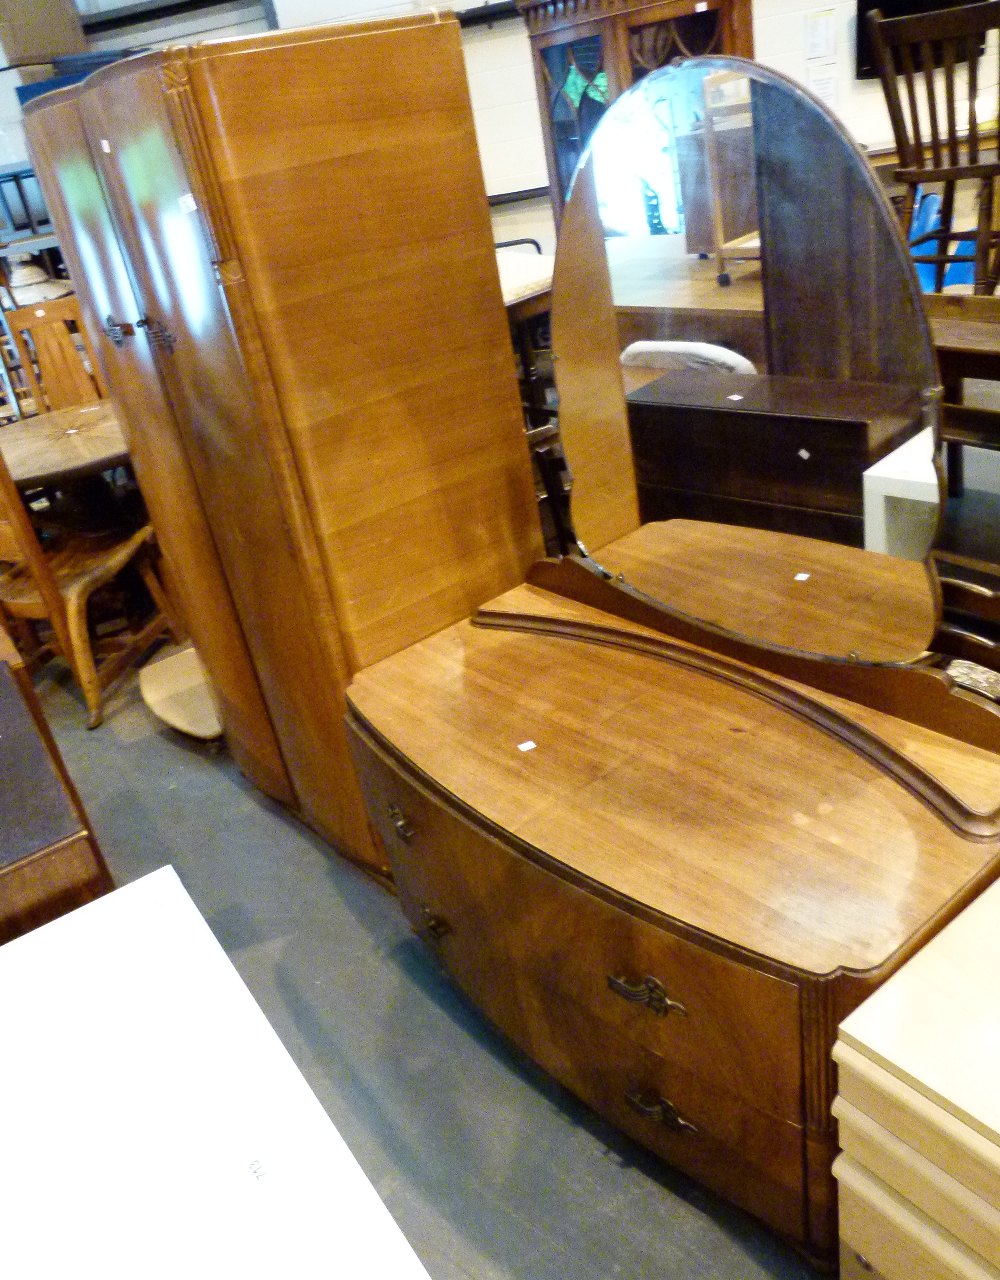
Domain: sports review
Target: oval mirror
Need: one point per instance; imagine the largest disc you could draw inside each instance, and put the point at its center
(739, 338)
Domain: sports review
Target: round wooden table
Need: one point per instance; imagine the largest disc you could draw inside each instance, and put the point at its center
(65, 445)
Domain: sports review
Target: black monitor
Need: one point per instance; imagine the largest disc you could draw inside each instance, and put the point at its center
(865, 68)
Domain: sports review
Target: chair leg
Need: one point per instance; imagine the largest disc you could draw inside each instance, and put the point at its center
(982, 284)
(82, 658)
(160, 598)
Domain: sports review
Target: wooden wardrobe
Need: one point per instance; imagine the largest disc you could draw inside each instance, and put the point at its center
(291, 270)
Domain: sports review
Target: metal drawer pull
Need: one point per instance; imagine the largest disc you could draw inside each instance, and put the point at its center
(434, 926)
(652, 1107)
(650, 991)
(401, 824)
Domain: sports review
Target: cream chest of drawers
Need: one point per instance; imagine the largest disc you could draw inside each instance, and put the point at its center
(918, 1110)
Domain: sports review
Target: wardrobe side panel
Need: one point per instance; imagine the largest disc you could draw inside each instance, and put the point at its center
(89, 243)
(347, 164)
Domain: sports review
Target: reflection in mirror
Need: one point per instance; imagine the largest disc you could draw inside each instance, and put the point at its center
(739, 337)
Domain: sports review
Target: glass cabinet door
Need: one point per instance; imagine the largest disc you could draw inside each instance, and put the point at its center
(578, 94)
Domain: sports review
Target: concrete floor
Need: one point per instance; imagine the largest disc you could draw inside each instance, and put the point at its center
(491, 1170)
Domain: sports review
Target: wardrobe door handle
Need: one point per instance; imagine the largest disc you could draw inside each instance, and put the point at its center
(118, 330)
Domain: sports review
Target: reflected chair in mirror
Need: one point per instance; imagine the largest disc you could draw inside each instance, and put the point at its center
(735, 235)
(69, 595)
(56, 358)
(929, 66)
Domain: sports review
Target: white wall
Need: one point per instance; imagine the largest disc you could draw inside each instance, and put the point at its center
(788, 36)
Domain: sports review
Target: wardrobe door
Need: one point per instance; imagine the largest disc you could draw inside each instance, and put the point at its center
(224, 403)
(101, 277)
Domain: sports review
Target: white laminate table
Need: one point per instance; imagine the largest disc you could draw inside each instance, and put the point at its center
(152, 1123)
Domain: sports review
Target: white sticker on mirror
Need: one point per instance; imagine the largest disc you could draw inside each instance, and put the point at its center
(805, 455)
(106, 146)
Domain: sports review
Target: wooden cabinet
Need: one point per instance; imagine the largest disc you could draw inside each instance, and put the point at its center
(302, 321)
(585, 55)
(918, 1116)
(771, 452)
(645, 869)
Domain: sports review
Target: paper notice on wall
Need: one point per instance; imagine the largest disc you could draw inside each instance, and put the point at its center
(821, 78)
(821, 36)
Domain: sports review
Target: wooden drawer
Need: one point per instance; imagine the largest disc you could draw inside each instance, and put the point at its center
(752, 1159)
(900, 1242)
(945, 1142)
(944, 1200)
(700, 1011)
(790, 460)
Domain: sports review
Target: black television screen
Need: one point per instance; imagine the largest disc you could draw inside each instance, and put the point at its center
(865, 68)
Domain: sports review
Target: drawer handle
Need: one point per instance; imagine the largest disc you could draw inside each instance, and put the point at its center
(650, 992)
(652, 1107)
(436, 927)
(401, 824)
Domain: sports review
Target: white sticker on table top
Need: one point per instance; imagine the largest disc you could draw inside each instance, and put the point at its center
(805, 455)
(802, 577)
(187, 202)
(734, 396)
(106, 146)
(527, 746)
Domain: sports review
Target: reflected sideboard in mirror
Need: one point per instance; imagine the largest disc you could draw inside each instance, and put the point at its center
(739, 335)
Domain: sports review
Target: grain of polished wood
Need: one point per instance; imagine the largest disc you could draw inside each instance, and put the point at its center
(409, 447)
(749, 581)
(162, 465)
(759, 828)
(63, 445)
(593, 421)
(658, 824)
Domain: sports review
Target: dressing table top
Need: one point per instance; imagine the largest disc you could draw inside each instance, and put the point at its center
(679, 780)
(799, 593)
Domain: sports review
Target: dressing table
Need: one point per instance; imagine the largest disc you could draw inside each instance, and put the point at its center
(672, 808)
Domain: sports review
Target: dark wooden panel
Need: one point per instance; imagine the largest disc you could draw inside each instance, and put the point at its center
(659, 503)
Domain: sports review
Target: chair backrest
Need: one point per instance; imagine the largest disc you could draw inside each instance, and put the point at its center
(924, 54)
(19, 546)
(55, 353)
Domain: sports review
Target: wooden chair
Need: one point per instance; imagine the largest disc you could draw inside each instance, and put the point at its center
(967, 550)
(728, 168)
(56, 358)
(938, 136)
(56, 585)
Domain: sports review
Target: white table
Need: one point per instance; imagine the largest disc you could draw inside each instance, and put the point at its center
(152, 1123)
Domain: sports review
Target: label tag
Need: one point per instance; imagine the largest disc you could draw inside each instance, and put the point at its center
(187, 203)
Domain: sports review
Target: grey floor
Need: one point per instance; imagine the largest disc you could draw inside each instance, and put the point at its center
(491, 1170)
